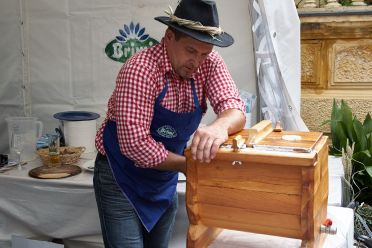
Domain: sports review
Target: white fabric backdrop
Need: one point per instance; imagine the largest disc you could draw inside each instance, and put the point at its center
(64, 66)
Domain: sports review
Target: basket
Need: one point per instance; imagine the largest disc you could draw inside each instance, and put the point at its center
(68, 154)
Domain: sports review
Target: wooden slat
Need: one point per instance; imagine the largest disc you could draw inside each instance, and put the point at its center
(307, 202)
(251, 155)
(247, 170)
(321, 195)
(259, 177)
(238, 217)
(307, 141)
(250, 200)
(191, 192)
(255, 185)
(276, 231)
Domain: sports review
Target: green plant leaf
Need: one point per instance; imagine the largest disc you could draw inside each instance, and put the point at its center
(367, 124)
(361, 159)
(361, 139)
(369, 143)
(339, 137)
(347, 120)
(369, 169)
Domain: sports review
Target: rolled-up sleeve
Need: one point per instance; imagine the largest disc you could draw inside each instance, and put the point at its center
(135, 95)
(222, 91)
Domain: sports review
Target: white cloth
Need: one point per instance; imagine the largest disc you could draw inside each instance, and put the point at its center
(66, 209)
(336, 175)
(49, 208)
(56, 61)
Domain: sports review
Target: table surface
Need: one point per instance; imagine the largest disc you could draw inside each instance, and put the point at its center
(61, 208)
(48, 208)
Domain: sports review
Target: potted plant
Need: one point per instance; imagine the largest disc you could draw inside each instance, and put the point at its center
(352, 140)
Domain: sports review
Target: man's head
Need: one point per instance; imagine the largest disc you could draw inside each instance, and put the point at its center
(199, 20)
(186, 54)
(193, 31)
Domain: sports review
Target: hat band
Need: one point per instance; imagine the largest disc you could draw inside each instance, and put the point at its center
(212, 31)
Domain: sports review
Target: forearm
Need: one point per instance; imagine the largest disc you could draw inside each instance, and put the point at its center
(232, 120)
(173, 162)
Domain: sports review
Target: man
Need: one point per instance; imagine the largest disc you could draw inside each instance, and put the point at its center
(158, 102)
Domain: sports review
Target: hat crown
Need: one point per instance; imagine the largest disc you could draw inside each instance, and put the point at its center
(199, 20)
(203, 11)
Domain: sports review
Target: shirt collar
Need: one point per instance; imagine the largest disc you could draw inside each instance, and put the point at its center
(165, 63)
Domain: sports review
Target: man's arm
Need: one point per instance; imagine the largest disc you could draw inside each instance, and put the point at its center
(173, 162)
(208, 139)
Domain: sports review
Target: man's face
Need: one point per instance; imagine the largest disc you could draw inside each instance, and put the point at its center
(186, 54)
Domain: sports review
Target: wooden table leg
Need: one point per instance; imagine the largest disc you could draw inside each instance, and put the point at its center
(200, 236)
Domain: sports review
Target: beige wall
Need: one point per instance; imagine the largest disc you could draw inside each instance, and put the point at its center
(336, 63)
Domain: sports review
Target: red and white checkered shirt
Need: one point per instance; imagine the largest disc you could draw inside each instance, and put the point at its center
(140, 81)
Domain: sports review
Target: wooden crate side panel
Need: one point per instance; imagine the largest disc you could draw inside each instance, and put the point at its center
(191, 192)
(315, 194)
(321, 194)
(237, 218)
(256, 177)
(249, 200)
(321, 191)
(307, 203)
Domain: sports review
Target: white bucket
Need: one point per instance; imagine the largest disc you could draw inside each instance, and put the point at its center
(80, 133)
(79, 128)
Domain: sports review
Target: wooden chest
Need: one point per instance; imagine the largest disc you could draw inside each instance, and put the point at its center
(277, 187)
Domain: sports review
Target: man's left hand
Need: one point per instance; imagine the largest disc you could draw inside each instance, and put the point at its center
(206, 142)
(208, 139)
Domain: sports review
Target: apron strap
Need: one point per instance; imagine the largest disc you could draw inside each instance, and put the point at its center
(165, 89)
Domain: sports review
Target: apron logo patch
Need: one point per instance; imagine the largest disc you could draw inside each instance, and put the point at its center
(167, 131)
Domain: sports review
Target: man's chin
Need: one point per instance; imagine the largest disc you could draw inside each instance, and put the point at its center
(185, 75)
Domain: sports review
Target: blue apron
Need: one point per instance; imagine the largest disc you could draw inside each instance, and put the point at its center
(151, 191)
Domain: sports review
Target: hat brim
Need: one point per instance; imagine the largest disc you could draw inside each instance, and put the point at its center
(222, 40)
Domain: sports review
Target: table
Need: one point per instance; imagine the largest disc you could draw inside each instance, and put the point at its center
(66, 209)
(49, 209)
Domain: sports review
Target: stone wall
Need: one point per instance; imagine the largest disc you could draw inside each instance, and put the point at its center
(336, 63)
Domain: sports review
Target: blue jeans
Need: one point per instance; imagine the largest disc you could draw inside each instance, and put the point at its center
(121, 227)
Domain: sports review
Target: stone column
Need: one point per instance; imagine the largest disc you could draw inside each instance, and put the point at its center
(332, 4)
(309, 4)
(358, 3)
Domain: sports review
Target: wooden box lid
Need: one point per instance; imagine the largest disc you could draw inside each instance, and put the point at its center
(264, 137)
(289, 141)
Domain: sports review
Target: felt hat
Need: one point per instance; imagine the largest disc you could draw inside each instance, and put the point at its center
(199, 20)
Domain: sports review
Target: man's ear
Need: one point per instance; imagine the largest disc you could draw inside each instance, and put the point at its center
(169, 34)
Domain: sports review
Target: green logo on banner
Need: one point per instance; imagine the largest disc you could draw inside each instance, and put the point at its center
(132, 39)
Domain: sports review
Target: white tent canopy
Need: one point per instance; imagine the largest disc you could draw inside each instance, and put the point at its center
(53, 52)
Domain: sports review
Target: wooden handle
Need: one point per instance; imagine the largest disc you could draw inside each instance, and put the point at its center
(278, 127)
(251, 135)
(259, 131)
(238, 142)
